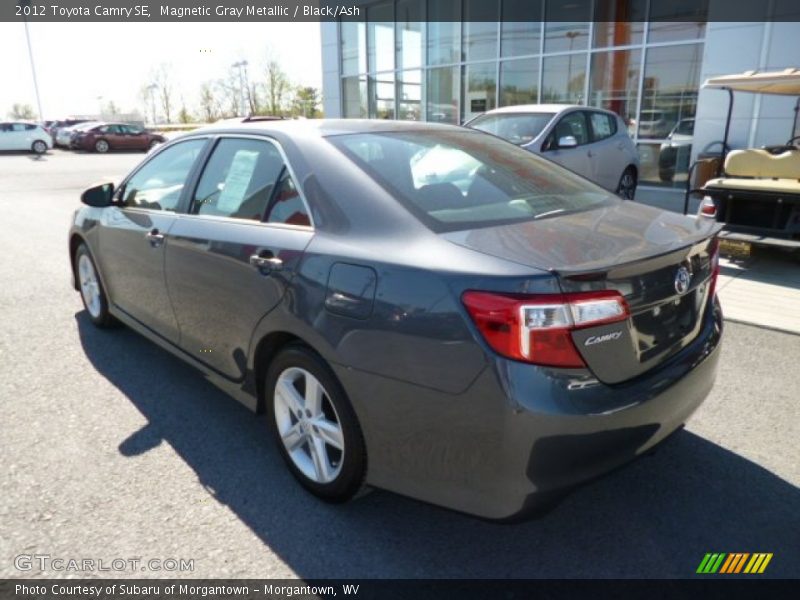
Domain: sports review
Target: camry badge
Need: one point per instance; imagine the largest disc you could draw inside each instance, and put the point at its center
(682, 280)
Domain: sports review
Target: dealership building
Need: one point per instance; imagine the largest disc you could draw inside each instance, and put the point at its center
(449, 61)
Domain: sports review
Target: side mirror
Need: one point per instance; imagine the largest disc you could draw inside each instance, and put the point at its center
(567, 141)
(99, 195)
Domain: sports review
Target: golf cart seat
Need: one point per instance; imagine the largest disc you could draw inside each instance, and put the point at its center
(759, 170)
(762, 163)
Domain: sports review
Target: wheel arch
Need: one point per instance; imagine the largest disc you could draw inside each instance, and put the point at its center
(266, 349)
(75, 240)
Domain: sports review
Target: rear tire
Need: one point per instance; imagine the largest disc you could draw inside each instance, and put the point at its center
(93, 294)
(101, 146)
(308, 426)
(39, 147)
(626, 188)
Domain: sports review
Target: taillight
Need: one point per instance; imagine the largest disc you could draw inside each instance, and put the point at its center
(708, 208)
(537, 328)
(713, 259)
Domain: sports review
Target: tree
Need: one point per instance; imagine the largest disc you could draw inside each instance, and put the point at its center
(306, 101)
(111, 109)
(183, 115)
(22, 111)
(162, 77)
(209, 105)
(277, 86)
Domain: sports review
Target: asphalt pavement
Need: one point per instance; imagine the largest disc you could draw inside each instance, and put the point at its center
(113, 449)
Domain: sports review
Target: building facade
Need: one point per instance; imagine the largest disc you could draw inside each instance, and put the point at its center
(449, 61)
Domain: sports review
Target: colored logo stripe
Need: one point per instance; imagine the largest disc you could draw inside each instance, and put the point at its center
(734, 562)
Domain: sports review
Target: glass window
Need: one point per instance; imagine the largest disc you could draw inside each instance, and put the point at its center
(238, 179)
(443, 91)
(458, 180)
(287, 206)
(669, 94)
(480, 88)
(603, 126)
(480, 29)
(567, 26)
(517, 128)
(354, 42)
(572, 125)
(380, 37)
(521, 27)
(354, 97)
(18, 127)
(444, 32)
(409, 95)
(614, 84)
(159, 183)
(519, 81)
(381, 96)
(619, 23)
(563, 78)
(410, 20)
(671, 29)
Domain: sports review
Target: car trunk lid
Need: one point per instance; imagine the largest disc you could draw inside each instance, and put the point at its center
(660, 262)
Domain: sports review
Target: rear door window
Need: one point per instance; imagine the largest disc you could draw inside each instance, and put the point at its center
(603, 125)
(239, 179)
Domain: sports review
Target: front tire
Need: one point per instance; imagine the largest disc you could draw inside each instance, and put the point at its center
(101, 146)
(39, 147)
(314, 425)
(93, 295)
(626, 189)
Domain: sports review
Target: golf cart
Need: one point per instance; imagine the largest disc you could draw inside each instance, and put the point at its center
(755, 192)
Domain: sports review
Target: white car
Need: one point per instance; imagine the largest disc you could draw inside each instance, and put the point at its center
(592, 142)
(25, 136)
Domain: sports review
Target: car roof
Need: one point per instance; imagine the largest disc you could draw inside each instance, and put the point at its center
(321, 127)
(538, 108)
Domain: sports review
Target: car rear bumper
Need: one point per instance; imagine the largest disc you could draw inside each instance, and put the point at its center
(522, 434)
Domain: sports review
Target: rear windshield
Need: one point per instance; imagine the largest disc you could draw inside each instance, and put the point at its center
(462, 180)
(517, 128)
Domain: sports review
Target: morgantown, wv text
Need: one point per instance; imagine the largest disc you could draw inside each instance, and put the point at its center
(180, 590)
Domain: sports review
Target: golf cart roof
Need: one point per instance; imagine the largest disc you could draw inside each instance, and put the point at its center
(786, 82)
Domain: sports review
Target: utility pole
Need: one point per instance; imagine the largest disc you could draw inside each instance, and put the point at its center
(241, 65)
(26, 4)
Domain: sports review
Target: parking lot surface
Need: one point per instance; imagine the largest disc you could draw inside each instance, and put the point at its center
(111, 448)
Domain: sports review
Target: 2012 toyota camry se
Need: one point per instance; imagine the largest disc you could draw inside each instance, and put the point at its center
(416, 307)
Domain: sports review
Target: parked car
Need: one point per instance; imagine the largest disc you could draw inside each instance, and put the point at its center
(589, 141)
(653, 124)
(57, 126)
(674, 154)
(104, 137)
(24, 136)
(64, 135)
(482, 332)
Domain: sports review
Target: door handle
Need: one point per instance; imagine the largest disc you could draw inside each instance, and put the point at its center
(266, 264)
(155, 238)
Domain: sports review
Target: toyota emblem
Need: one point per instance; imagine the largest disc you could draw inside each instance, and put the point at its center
(682, 280)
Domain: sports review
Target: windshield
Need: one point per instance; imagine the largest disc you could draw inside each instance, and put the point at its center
(462, 180)
(517, 128)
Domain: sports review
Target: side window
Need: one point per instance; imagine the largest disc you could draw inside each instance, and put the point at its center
(30, 126)
(603, 126)
(238, 180)
(158, 184)
(18, 127)
(574, 124)
(287, 205)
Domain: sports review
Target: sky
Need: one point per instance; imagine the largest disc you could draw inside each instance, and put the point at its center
(77, 62)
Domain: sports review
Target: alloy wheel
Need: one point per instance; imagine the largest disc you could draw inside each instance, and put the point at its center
(101, 146)
(90, 286)
(627, 186)
(308, 425)
(39, 147)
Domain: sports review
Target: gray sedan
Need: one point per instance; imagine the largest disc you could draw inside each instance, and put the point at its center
(422, 308)
(590, 141)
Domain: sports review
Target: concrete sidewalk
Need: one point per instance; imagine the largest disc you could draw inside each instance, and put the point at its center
(762, 290)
